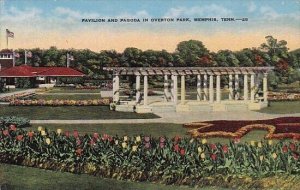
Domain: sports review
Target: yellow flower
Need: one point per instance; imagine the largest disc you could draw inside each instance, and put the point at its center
(138, 139)
(134, 148)
(204, 141)
(58, 131)
(261, 158)
(270, 142)
(192, 140)
(202, 155)
(125, 138)
(259, 145)
(48, 141)
(124, 144)
(40, 128)
(274, 155)
(43, 133)
(252, 143)
(199, 150)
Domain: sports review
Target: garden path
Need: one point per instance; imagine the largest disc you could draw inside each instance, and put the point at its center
(31, 90)
(176, 117)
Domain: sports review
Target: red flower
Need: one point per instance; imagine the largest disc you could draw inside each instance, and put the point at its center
(79, 151)
(19, 137)
(213, 156)
(12, 127)
(105, 137)
(225, 148)
(296, 156)
(176, 148)
(213, 146)
(292, 146)
(161, 145)
(96, 136)
(67, 133)
(284, 149)
(30, 134)
(237, 140)
(75, 134)
(162, 139)
(177, 138)
(182, 152)
(5, 133)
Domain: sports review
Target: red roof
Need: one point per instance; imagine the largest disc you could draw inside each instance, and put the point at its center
(28, 71)
(6, 63)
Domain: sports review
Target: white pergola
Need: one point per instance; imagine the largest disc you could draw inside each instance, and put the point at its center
(206, 87)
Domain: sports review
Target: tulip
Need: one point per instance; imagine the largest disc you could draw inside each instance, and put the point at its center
(147, 145)
(213, 146)
(274, 155)
(96, 136)
(12, 127)
(134, 148)
(225, 148)
(40, 128)
(92, 142)
(138, 139)
(199, 150)
(177, 138)
(124, 144)
(252, 143)
(270, 142)
(236, 140)
(296, 156)
(5, 133)
(182, 152)
(79, 151)
(19, 137)
(292, 146)
(259, 145)
(30, 134)
(176, 148)
(204, 141)
(58, 131)
(75, 134)
(48, 141)
(261, 158)
(202, 155)
(213, 156)
(147, 139)
(161, 145)
(116, 142)
(125, 138)
(162, 139)
(284, 149)
(43, 133)
(67, 133)
(78, 142)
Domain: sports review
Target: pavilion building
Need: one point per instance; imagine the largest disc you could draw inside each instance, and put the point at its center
(208, 88)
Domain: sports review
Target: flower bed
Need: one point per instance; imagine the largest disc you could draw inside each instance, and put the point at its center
(16, 96)
(282, 96)
(42, 102)
(143, 158)
(285, 127)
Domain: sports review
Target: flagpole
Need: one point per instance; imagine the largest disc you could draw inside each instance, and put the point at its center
(25, 57)
(6, 40)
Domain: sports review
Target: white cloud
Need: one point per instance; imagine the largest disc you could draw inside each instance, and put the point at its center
(269, 13)
(251, 7)
(212, 10)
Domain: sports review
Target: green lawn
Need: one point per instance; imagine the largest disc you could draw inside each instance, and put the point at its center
(67, 96)
(70, 112)
(154, 129)
(284, 107)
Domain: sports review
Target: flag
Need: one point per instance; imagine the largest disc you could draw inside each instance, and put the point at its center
(28, 54)
(17, 55)
(9, 34)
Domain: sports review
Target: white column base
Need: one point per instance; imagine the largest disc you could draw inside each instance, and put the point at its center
(143, 109)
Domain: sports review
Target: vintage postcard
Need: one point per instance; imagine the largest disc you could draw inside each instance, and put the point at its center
(149, 94)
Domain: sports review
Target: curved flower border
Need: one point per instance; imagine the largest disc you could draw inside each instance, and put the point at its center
(239, 133)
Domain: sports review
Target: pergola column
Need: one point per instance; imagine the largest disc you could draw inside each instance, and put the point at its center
(138, 88)
(172, 88)
(166, 85)
(236, 86)
(182, 94)
(145, 90)
(245, 87)
(211, 88)
(175, 89)
(198, 87)
(116, 88)
(252, 86)
(230, 85)
(205, 89)
(218, 88)
(265, 87)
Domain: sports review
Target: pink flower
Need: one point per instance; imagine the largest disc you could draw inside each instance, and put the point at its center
(284, 149)
(147, 139)
(79, 152)
(176, 148)
(213, 146)
(12, 127)
(75, 134)
(225, 148)
(182, 152)
(30, 134)
(5, 133)
(96, 136)
(177, 138)
(161, 145)
(92, 142)
(67, 133)
(236, 140)
(147, 145)
(19, 137)
(78, 142)
(213, 156)
(162, 139)
(292, 146)
(296, 156)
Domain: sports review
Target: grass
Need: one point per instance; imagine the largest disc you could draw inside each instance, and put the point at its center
(154, 129)
(67, 96)
(283, 107)
(18, 177)
(70, 113)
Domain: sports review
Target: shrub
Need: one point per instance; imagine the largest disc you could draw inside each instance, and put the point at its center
(18, 121)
